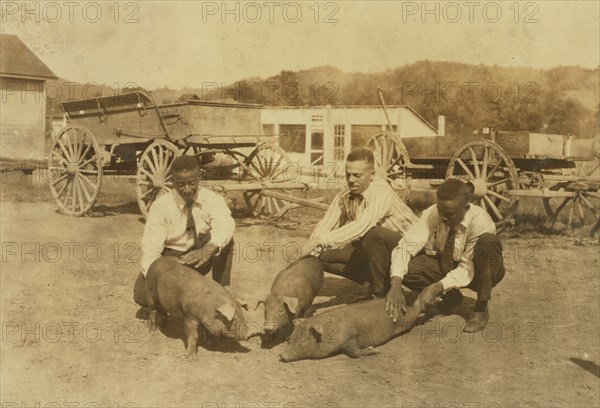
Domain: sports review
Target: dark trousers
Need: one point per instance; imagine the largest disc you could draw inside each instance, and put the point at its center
(367, 259)
(423, 270)
(220, 265)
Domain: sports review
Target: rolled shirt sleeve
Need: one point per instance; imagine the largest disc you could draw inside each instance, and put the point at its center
(329, 221)
(413, 241)
(222, 224)
(153, 240)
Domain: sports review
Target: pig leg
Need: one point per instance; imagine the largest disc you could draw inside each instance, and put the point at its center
(353, 350)
(351, 346)
(191, 331)
(152, 300)
(152, 319)
(310, 311)
(206, 339)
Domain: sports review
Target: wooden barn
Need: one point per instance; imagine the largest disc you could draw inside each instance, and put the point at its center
(22, 101)
(324, 134)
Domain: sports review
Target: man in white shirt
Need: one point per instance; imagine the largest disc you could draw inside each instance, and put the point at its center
(363, 223)
(461, 250)
(191, 223)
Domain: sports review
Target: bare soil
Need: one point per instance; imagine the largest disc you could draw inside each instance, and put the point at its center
(71, 333)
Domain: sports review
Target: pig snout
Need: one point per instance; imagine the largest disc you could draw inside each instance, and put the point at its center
(270, 326)
(286, 358)
(276, 317)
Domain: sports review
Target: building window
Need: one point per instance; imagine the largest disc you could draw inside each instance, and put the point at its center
(268, 129)
(360, 134)
(338, 142)
(292, 138)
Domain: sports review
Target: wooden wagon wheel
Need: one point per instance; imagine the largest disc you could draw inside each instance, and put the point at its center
(268, 162)
(584, 205)
(391, 156)
(154, 173)
(75, 170)
(493, 174)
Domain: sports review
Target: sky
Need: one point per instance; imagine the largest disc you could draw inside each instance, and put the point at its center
(190, 43)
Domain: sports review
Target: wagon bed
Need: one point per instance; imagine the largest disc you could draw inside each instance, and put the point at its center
(129, 134)
(503, 166)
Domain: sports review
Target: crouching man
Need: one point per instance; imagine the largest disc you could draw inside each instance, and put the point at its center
(467, 254)
(360, 228)
(191, 223)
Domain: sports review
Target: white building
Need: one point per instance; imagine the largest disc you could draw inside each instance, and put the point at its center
(324, 134)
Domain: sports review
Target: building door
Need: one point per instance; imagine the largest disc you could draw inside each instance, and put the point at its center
(316, 148)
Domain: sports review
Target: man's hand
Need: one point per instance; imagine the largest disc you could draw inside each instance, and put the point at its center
(429, 294)
(199, 257)
(394, 301)
(308, 247)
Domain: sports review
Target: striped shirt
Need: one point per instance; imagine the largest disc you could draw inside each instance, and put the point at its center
(430, 232)
(349, 218)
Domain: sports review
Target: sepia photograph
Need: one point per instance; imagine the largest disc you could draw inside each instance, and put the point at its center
(300, 204)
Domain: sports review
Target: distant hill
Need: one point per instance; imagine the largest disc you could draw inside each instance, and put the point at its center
(558, 100)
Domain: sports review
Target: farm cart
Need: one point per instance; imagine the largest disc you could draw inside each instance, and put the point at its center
(129, 134)
(503, 166)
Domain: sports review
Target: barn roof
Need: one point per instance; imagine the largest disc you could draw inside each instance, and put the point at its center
(18, 60)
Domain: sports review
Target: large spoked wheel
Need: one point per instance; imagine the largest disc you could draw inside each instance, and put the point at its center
(154, 177)
(581, 204)
(493, 174)
(75, 170)
(268, 162)
(266, 206)
(391, 156)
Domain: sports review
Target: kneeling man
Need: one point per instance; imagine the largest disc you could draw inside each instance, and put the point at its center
(191, 223)
(467, 254)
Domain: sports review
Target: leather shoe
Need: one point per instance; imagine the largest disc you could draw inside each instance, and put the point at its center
(477, 322)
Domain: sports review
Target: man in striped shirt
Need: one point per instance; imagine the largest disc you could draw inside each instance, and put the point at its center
(361, 227)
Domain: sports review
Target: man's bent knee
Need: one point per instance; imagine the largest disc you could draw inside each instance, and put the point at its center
(139, 291)
(374, 234)
(488, 247)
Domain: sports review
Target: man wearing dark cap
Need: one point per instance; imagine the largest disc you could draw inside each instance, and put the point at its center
(191, 223)
(454, 245)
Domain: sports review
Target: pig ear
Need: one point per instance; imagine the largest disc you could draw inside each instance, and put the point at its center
(227, 310)
(314, 331)
(291, 303)
(244, 303)
(257, 304)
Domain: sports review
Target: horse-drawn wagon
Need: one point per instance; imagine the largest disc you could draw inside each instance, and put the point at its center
(129, 134)
(503, 167)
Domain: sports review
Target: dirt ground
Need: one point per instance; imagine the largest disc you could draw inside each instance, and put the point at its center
(72, 335)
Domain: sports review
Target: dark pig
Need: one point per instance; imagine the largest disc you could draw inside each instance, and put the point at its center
(181, 291)
(292, 292)
(353, 330)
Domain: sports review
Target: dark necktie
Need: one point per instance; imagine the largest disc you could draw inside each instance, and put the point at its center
(353, 203)
(191, 225)
(447, 258)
